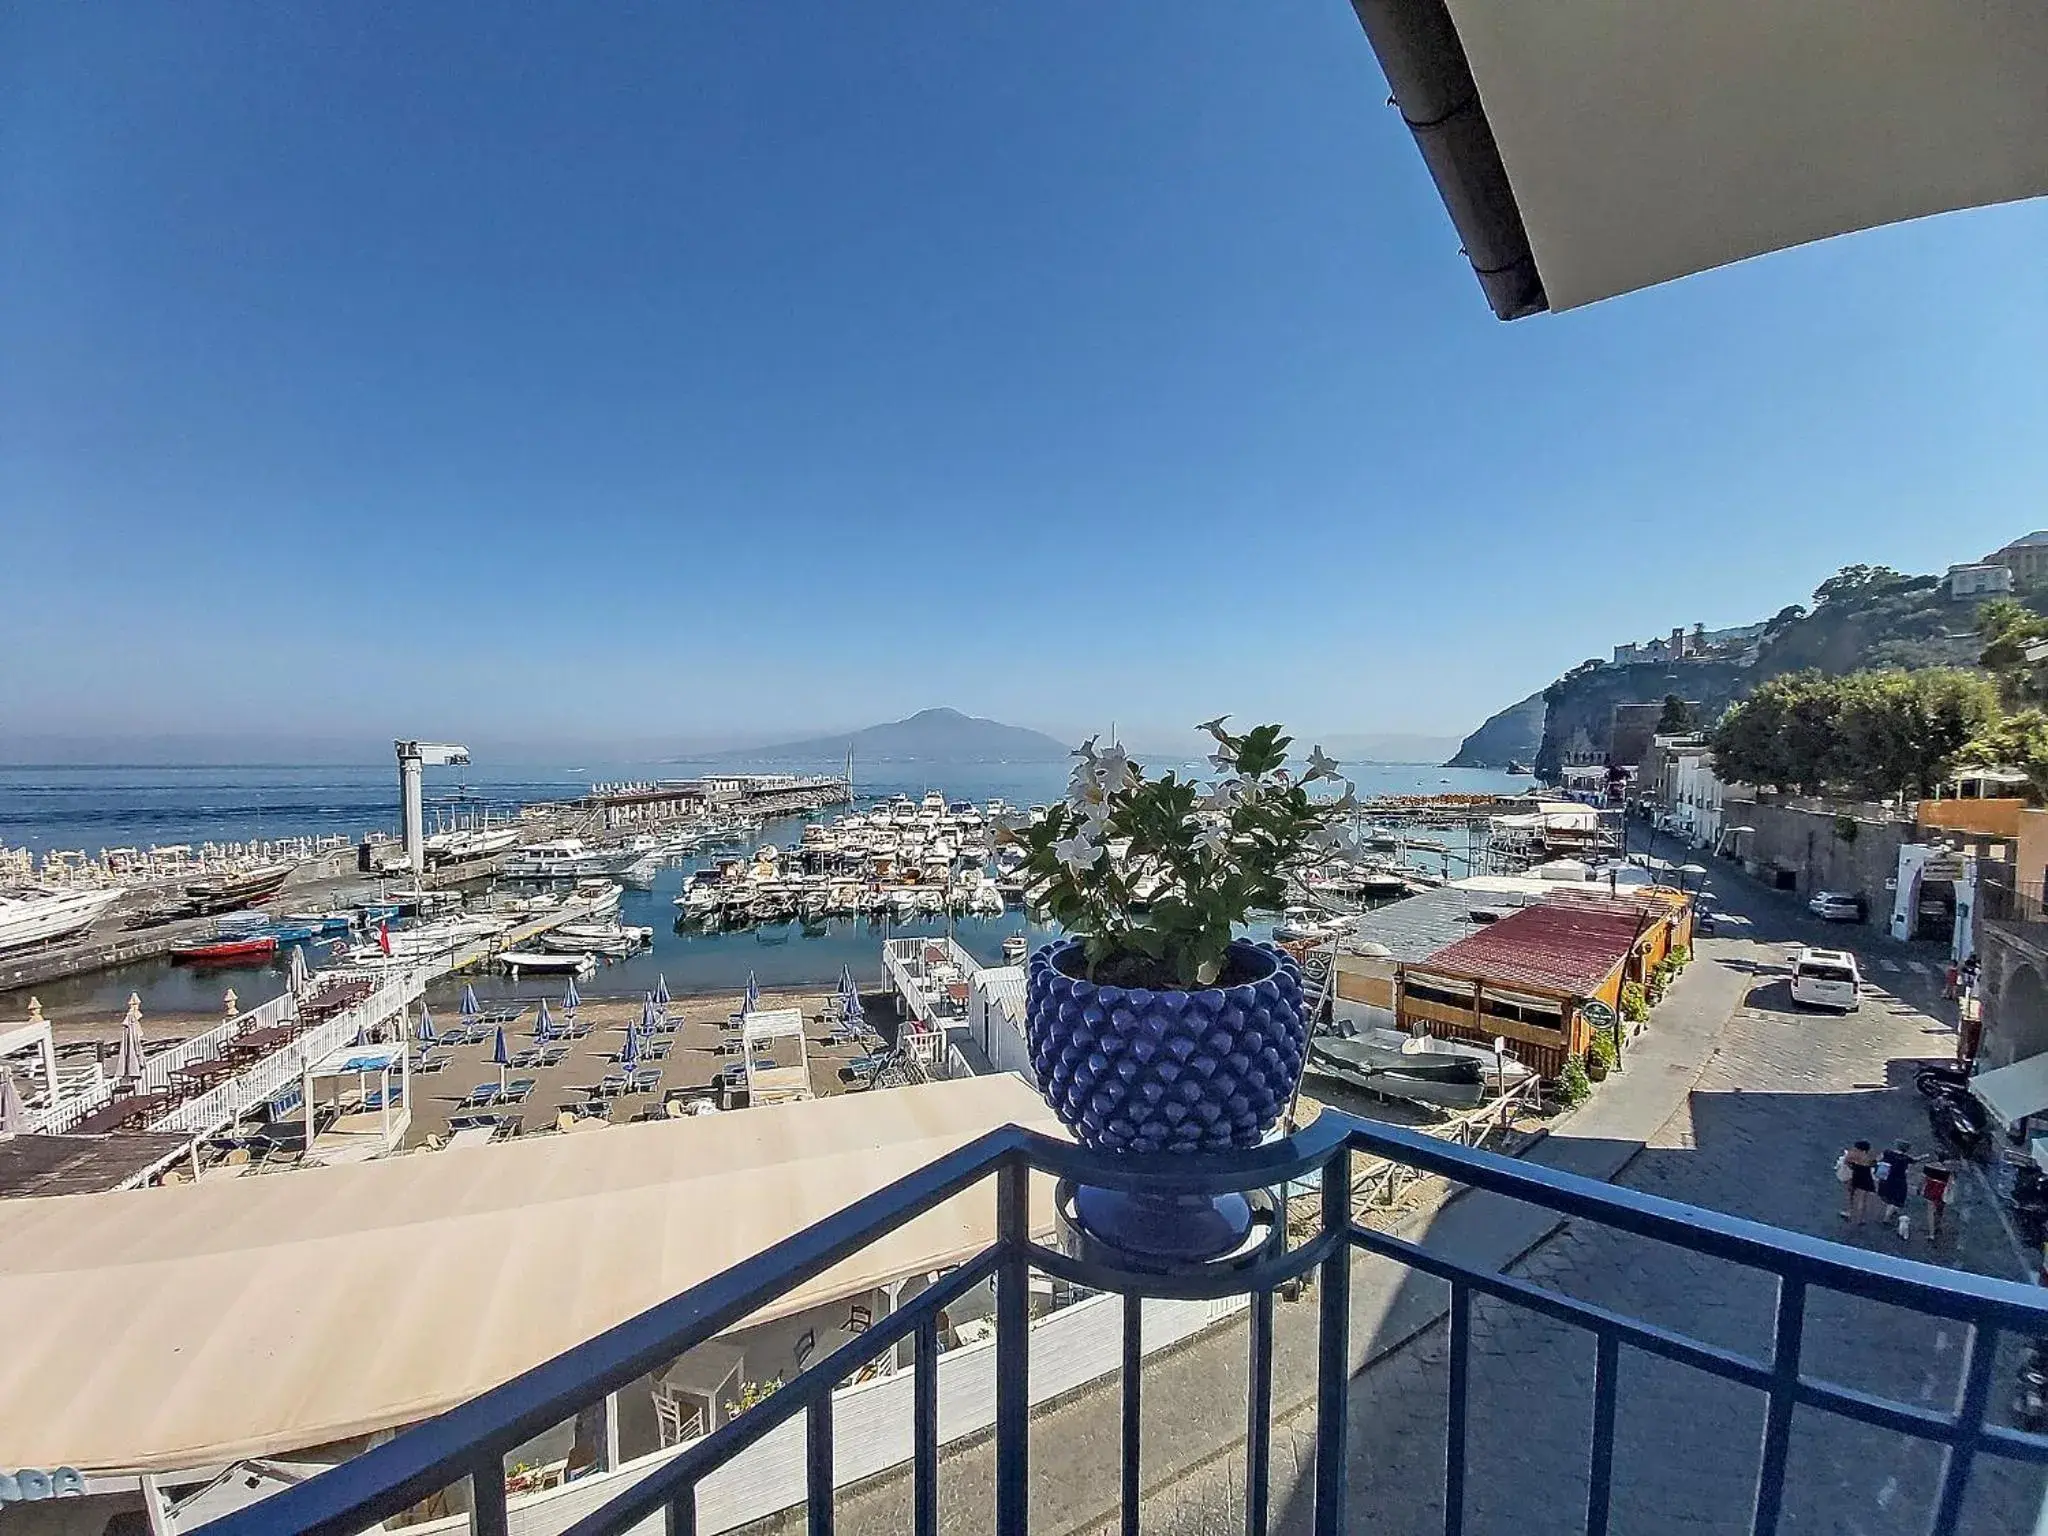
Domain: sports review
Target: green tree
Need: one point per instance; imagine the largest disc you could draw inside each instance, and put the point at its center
(1855, 580)
(2009, 631)
(1876, 734)
(2017, 740)
(1677, 717)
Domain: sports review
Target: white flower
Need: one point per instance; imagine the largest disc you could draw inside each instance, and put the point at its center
(1009, 821)
(1330, 839)
(1319, 766)
(1113, 770)
(1223, 757)
(1095, 818)
(1076, 852)
(1214, 727)
(1214, 840)
(1224, 797)
(1346, 802)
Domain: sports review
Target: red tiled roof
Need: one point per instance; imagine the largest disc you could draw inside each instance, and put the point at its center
(1565, 946)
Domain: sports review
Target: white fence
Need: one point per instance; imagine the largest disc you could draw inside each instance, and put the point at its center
(871, 1422)
(220, 1105)
(157, 1069)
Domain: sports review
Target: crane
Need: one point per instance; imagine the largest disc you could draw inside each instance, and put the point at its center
(413, 756)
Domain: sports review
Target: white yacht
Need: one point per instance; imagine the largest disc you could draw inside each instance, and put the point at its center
(565, 858)
(41, 915)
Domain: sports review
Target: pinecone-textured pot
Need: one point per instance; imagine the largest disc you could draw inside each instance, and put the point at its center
(1128, 1069)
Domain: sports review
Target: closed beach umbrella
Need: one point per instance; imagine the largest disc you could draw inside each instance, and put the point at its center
(501, 1056)
(629, 1053)
(13, 1113)
(543, 1026)
(130, 1064)
(846, 980)
(470, 1006)
(649, 1015)
(569, 998)
(428, 1035)
(753, 994)
(661, 991)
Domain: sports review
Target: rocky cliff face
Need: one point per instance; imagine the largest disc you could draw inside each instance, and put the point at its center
(1512, 736)
(1579, 707)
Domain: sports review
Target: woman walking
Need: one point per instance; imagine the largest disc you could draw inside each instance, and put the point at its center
(1891, 1184)
(1860, 1163)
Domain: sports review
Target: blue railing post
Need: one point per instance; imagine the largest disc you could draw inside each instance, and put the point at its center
(924, 1431)
(1013, 1349)
(487, 1498)
(1770, 1472)
(1133, 1376)
(1333, 1348)
(1457, 1407)
(1258, 1435)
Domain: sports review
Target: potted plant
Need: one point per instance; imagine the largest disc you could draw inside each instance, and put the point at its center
(1154, 1029)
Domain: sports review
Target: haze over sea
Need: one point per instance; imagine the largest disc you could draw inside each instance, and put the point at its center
(96, 807)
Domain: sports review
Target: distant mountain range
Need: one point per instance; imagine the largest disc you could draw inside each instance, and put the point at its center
(933, 735)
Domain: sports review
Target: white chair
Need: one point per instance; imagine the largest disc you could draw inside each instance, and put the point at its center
(676, 1420)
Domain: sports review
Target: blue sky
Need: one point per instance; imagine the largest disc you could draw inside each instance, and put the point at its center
(706, 371)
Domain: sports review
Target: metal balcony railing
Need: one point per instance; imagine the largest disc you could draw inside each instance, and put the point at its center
(473, 1440)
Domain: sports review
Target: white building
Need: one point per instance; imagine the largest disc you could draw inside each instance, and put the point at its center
(1696, 796)
(995, 1019)
(1982, 580)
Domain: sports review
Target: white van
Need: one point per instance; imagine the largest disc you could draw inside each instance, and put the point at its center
(1826, 978)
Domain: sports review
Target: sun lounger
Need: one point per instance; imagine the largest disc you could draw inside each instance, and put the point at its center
(658, 1051)
(373, 1101)
(647, 1079)
(613, 1085)
(553, 1056)
(517, 1091)
(481, 1094)
(502, 1013)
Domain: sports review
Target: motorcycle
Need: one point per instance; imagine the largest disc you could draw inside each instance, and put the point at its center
(1958, 1123)
(1936, 1081)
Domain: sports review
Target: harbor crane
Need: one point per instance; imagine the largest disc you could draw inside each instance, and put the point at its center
(413, 756)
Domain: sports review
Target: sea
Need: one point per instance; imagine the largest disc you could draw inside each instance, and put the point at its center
(92, 808)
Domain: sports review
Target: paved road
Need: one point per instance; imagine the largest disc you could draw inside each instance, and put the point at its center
(1757, 1136)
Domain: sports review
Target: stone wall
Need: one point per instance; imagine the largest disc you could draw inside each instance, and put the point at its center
(1821, 846)
(2013, 958)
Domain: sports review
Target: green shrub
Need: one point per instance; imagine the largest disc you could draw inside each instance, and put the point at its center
(1635, 1003)
(1572, 1085)
(1680, 956)
(1603, 1049)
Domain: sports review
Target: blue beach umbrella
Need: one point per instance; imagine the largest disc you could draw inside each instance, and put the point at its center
(501, 1056)
(629, 1053)
(544, 1026)
(846, 980)
(661, 991)
(753, 994)
(650, 1015)
(569, 998)
(428, 1035)
(470, 1007)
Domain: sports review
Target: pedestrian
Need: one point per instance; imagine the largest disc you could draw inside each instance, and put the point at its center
(1951, 980)
(1891, 1184)
(1855, 1169)
(1935, 1180)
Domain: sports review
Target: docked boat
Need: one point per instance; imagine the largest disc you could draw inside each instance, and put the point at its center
(1441, 1079)
(249, 950)
(221, 892)
(41, 915)
(322, 922)
(469, 843)
(613, 939)
(565, 858)
(600, 896)
(1392, 1048)
(1015, 948)
(643, 871)
(547, 962)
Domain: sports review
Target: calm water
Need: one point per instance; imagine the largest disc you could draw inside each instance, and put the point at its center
(93, 808)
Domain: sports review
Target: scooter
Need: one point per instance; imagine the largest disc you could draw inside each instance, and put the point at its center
(1957, 1123)
(1937, 1081)
(2030, 1394)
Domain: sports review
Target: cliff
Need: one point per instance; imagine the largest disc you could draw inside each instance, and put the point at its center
(1579, 707)
(1512, 736)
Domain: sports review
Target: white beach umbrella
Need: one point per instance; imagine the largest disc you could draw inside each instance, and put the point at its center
(130, 1063)
(13, 1113)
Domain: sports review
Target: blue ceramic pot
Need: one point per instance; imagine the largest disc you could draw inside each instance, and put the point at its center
(1133, 1070)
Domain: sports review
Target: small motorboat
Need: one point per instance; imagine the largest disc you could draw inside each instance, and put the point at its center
(1446, 1081)
(614, 939)
(237, 951)
(520, 961)
(221, 892)
(1015, 948)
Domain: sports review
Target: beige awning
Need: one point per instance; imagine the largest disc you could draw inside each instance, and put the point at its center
(1644, 141)
(158, 1329)
(2013, 1092)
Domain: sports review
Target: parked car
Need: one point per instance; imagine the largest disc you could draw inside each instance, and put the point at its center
(1837, 906)
(1827, 978)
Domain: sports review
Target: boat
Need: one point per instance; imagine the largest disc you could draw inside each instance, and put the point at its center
(1015, 948)
(550, 962)
(597, 938)
(218, 893)
(641, 873)
(600, 896)
(322, 922)
(565, 858)
(237, 951)
(1397, 1050)
(1446, 1081)
(43, 915)
(469, 843)
(1520, 769)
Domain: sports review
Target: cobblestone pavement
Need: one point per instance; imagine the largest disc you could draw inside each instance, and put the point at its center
(1758, 1138)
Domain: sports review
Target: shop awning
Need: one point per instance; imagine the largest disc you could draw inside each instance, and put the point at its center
(2015, 1091)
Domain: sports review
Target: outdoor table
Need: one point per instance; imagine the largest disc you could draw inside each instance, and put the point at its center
(111, 1117)
(203, 1072)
